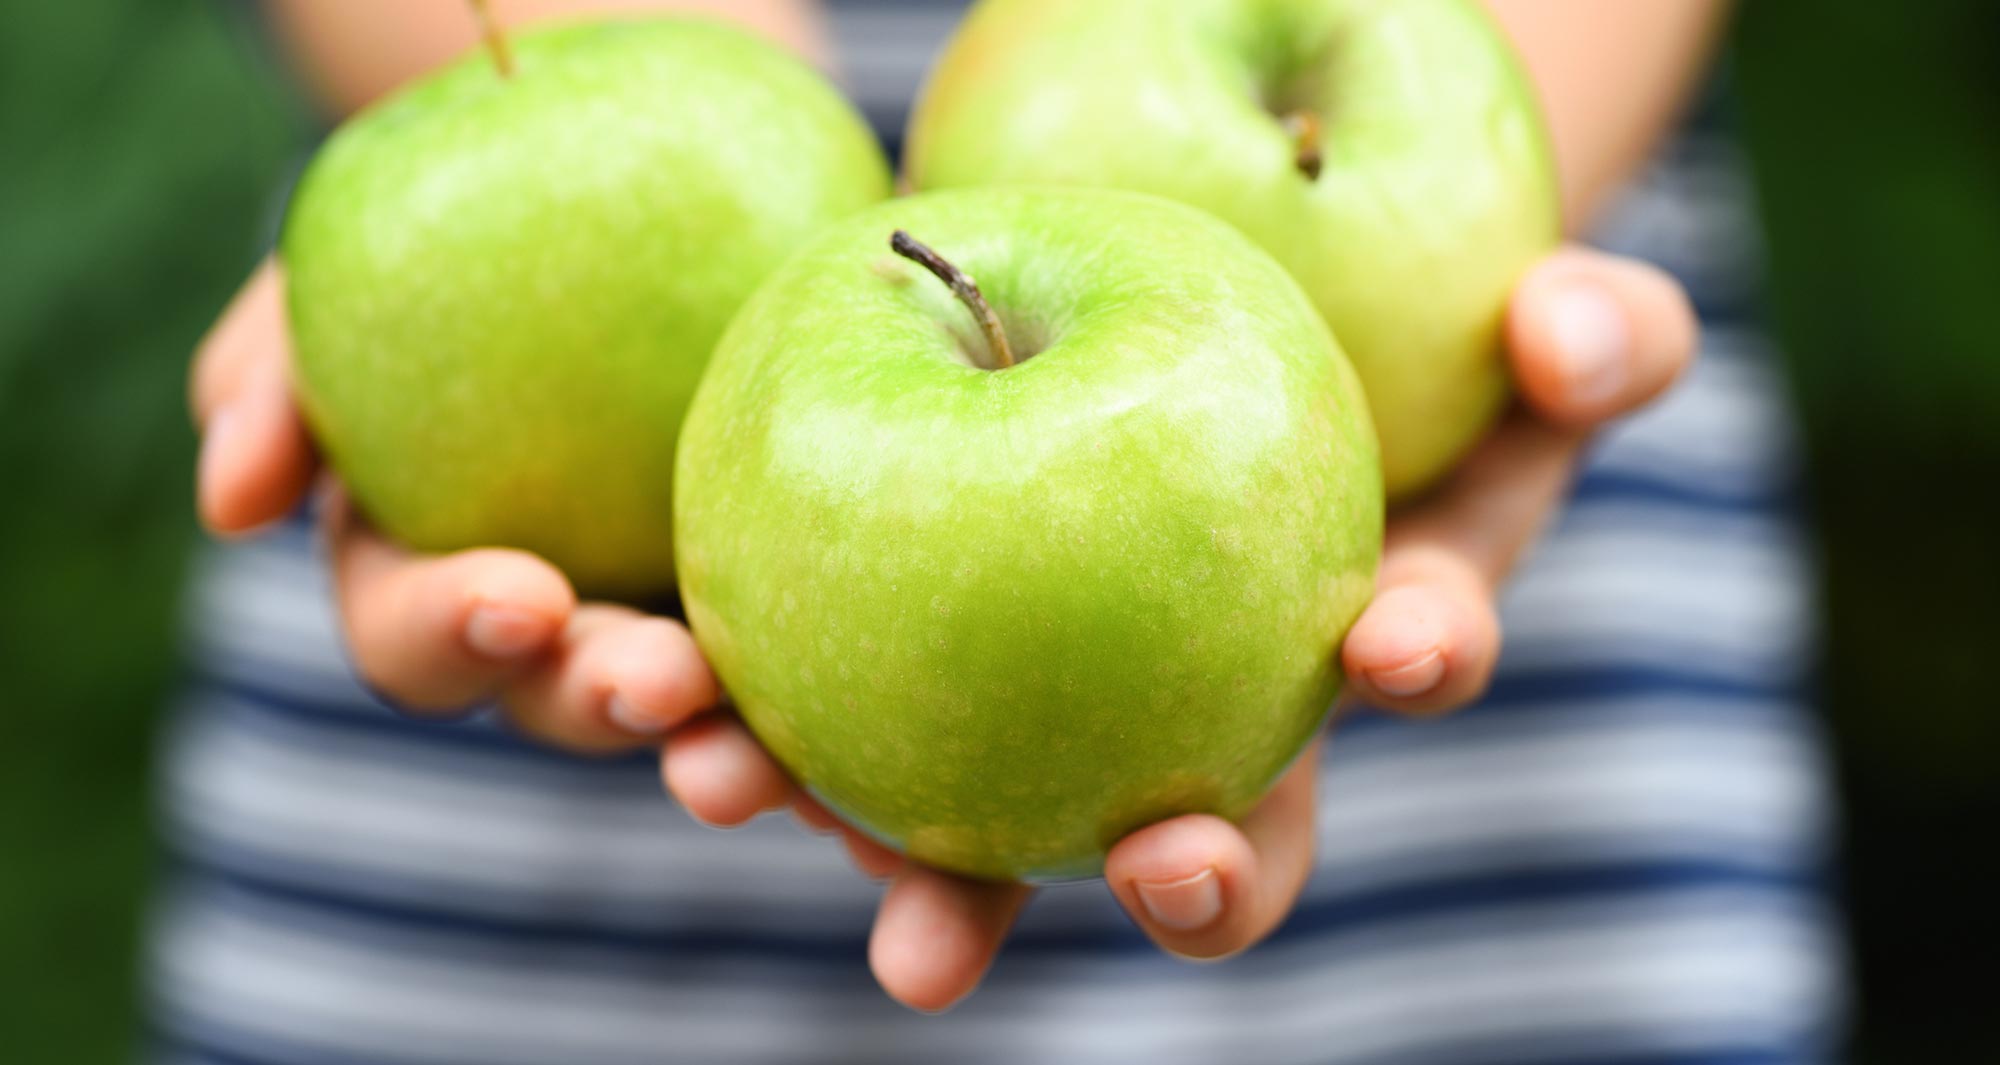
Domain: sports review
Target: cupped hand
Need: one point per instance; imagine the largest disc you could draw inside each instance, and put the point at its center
(432, 633)
(1589, 337)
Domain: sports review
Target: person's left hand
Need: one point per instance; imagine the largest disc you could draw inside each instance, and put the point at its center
(431, 633)
(1589, 338)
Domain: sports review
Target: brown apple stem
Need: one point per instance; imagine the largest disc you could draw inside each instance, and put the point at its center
(1304, 129)
(495, 36)
(964, 288)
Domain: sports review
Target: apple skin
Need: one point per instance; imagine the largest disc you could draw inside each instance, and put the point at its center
(999, 619)
(503, 291)
(1437, 191)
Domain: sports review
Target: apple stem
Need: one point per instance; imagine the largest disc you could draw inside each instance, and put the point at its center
(496, 37)
(1304, 129)
(964, 288)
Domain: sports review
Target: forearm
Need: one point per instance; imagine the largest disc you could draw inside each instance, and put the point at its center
(351, 51)
(1612, 75)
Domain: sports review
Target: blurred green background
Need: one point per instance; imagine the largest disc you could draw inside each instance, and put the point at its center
(141, 144)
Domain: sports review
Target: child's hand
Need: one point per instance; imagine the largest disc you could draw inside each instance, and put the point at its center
(1590, 338)
(433, 633)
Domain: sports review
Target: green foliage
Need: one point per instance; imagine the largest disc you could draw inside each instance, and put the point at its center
(1876, 134)
(142, 142)
(1876, 144)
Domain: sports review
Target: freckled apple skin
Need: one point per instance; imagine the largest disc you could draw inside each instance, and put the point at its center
(1437, 189)
(999, 619)
(503, 291)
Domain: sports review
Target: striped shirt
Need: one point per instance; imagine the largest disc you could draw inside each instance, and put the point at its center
(1615, 858)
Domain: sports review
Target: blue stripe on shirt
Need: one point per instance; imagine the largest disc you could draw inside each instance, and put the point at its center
(1631, 880)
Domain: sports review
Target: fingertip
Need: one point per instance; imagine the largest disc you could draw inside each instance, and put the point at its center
(249, 336)
(1189, 883)
(256, 458)
(718, 772)
(1426, 644)
(656, 676)
(905, 972)
(215, 480)
(438, 634)
(1176, 849)
(1592, 336)
(937, 935)
(513, 604)
(1571, 342)
(254, 465)
(1397, 647)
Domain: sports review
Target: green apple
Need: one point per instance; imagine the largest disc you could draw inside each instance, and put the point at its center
(1388, 152)
(503, 288)
(1001, 615)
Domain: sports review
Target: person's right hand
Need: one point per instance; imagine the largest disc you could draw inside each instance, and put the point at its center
(432, 633)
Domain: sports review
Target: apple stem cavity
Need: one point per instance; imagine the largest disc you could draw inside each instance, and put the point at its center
(967, 291)
(495, 36)
(1305, 130)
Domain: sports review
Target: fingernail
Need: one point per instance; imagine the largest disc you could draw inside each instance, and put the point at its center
(1412, 678)
(505, 632)
(1183, 905)
(1592, 341)
(627, 715)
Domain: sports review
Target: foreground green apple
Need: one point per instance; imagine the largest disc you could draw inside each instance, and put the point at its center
(1001, 617)
(503, 289)
(1387, 152)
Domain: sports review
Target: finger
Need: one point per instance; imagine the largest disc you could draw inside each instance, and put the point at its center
(438, 633)
(251, 330)
(1429, 640)
(813, 815)
(1593, 336)
(256, 459)
(936, 935)
(617, 679)
(872, 858)
(716, 769)
(1204, 888)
